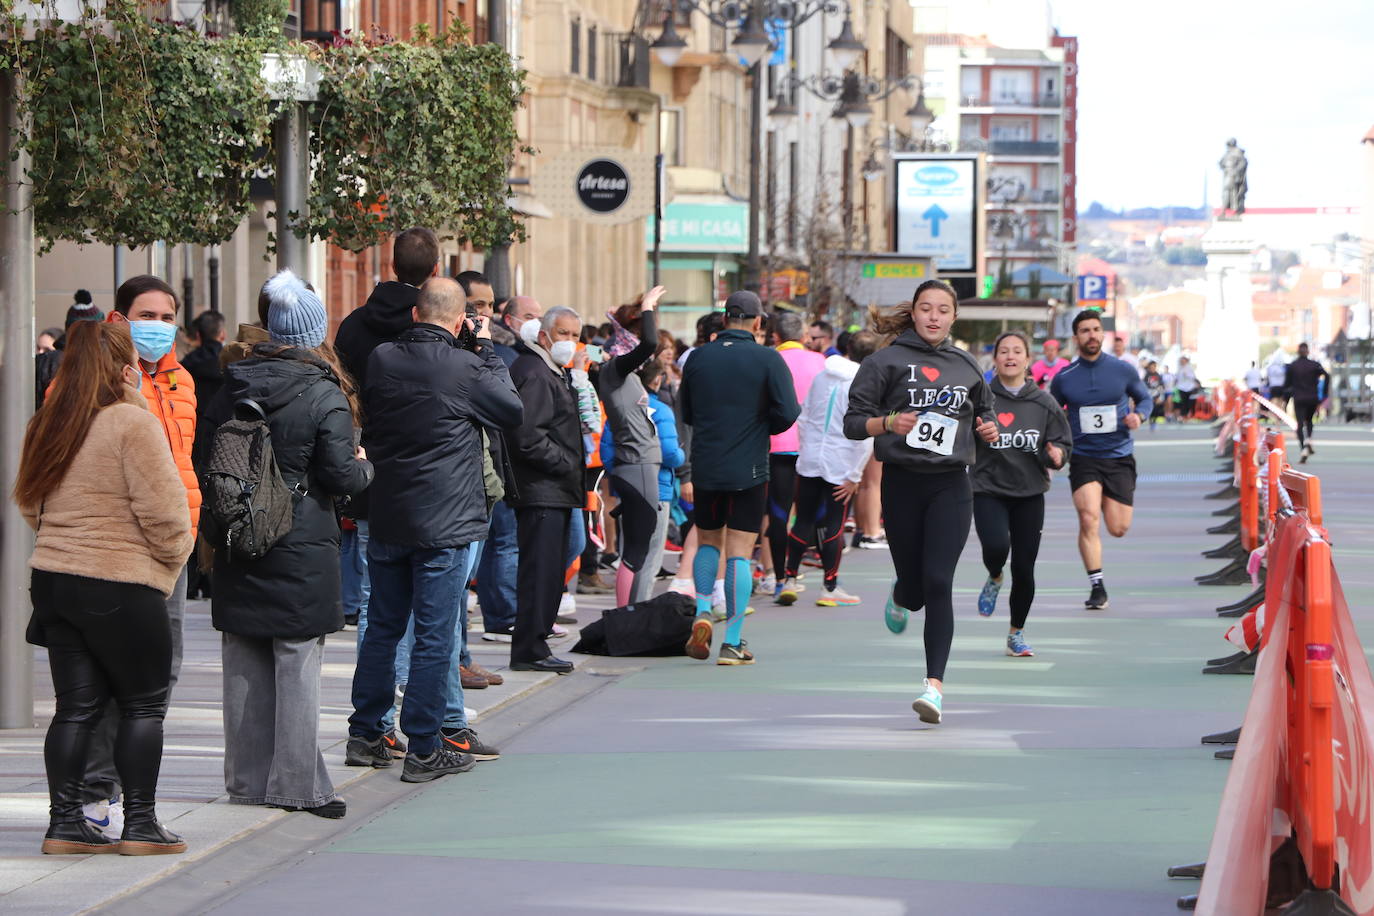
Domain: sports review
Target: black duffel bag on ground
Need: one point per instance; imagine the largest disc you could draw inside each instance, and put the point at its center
(659, 626)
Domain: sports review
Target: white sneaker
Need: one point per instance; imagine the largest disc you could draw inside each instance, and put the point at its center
(683, 587)
(768, 585)
(567, 609)
(106, 816)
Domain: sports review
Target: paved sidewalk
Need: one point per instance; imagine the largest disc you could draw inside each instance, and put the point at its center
(191, 788)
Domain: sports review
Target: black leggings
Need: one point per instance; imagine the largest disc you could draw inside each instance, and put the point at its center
(636, 486)
(820, 518)
(1011, 525)
(927, 518)
(105, 639)
(1305, 411)
(782, 489)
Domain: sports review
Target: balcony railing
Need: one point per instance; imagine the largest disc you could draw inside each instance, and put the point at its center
(1013, 100)
(624, 60)
(1010, 147)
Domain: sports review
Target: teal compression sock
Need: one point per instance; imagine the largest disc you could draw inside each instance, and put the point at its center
(704, 576)
(739, 584)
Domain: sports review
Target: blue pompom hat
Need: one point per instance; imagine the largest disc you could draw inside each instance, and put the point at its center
(295, 315)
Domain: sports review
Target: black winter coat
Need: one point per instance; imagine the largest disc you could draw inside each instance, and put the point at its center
(203, 364)
(546, 450)
(293, 591)
(424, 404)
(384, 315)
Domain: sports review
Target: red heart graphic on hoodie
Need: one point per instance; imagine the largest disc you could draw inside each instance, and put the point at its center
(1006, 419)
(930, 372)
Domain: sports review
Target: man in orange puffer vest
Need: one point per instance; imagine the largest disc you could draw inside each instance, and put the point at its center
(150, 308)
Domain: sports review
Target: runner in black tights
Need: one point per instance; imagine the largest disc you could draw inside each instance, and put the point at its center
(1010, 479)
(924, 400)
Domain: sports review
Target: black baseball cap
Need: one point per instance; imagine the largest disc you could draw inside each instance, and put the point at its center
(743, 304)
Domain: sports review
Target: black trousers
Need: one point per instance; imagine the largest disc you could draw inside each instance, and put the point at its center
(820, 521)
(782, 490)
(1306, 411)
(927, 518)
(542, 534)
(105, 640)
(1010, 525)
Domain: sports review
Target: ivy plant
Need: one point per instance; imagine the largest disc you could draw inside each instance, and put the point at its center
(415, 133)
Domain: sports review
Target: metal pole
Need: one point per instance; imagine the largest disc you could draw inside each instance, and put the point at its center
(496, 265)
(118, 266)
(752, 269)
(188, 286)
(213, 277)
(16, 377)
(292, 252)
(658, 217)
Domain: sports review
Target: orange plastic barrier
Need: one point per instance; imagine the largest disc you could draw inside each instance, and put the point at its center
(1303, 765)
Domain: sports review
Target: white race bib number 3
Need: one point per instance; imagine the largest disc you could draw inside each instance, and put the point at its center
(934, 432)
(1097, 420)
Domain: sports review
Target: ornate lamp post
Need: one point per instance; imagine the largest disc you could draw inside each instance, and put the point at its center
(751, 42)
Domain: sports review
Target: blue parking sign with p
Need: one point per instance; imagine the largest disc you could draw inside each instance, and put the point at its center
(1092, 288)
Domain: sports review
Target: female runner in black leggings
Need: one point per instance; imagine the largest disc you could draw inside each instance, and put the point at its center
(924, 400)
(1010, 480)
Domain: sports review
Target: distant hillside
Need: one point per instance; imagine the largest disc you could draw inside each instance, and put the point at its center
(1098, 211)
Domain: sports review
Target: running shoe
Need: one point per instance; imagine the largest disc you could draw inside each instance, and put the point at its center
(987, 598)
(699, 646)
(1097, 601)
(787, 593)
(873, 543)
(1017, 647)
(719, 613)
(894, 615)
(735, 655)
(836, 598)
(106, 816)
(928, 704)
(768, 585)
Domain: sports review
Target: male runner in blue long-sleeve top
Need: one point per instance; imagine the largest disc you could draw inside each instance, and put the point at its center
(1097, 390)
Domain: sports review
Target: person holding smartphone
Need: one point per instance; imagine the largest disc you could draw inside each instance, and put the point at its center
(923, 400)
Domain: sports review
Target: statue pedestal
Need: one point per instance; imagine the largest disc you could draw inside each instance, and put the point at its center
(1228, 340)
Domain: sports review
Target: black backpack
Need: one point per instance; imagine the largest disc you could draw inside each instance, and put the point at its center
(249, 507)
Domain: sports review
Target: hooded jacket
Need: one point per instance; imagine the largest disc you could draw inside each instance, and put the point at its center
(909, 376)
(292, 592)
(425, 403)
(546, 449)
(382, 318)
(825, 450)
(735, 394)
(1017, 464)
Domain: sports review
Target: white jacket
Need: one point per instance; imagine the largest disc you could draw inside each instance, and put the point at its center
(825, 451)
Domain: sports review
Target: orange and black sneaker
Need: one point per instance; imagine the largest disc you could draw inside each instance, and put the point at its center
(699, 645)
(397, 746)
(465, 741)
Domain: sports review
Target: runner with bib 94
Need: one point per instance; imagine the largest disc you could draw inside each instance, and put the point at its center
(1097, 391)
(923, 400)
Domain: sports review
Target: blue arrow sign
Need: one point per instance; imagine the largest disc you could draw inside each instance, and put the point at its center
(935, 215)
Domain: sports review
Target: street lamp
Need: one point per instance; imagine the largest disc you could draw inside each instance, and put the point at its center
(919, 114)
(751, 43)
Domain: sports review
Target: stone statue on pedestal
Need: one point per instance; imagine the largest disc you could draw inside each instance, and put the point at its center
(1233, 165)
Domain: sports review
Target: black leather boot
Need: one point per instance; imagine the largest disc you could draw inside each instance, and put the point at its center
(76, 838)
(143, 835)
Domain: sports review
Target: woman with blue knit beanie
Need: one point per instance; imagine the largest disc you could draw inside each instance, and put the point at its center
(274, 612)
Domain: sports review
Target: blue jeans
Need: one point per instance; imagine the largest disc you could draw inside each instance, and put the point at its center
(496, 574)
(577, 537)
(426, 585)
(356, 586)
(455, 716)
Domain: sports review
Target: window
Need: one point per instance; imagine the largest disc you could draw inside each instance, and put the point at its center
(1010, 129)
(576, 65)
(670, 135)
(771, 191)
(591, 52)
(1012, 86)
(898, 57)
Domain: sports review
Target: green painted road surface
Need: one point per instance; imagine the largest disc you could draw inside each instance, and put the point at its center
(804, 784)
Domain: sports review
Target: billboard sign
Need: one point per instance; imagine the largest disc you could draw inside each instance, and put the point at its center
(937, 205)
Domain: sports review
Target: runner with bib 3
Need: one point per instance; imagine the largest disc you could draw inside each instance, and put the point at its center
(1097, 391)
(923, 401)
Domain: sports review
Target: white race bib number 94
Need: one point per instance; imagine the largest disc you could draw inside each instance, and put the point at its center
(1097, 420)
(934, 432)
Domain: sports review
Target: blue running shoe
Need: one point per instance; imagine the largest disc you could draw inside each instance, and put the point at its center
(928, 704)
(1016, 646)
(894, 615)
(987, 598)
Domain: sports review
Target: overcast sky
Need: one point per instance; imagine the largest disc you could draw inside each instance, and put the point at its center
(1163, 84)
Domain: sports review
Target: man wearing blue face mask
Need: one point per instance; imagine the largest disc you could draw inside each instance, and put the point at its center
(149, 306)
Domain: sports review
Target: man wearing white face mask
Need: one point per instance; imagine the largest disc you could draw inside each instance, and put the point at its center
(546, 452)
(150, 307)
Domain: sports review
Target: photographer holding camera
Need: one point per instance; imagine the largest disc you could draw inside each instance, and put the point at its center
(426, 400)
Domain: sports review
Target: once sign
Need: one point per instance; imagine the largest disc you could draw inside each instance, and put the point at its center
(603, 185)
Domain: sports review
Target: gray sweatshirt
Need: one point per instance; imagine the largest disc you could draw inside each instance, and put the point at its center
(1017, 464)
